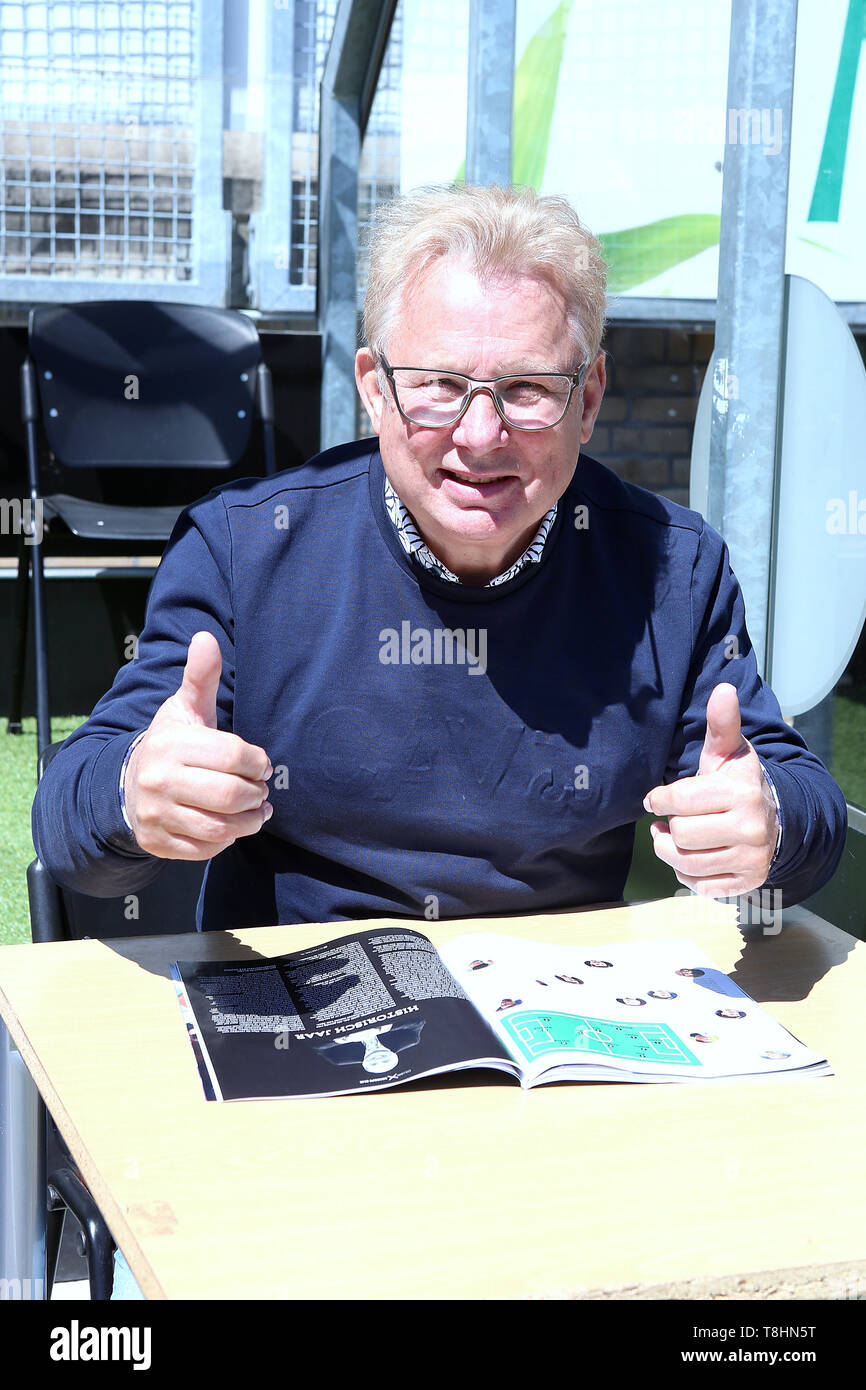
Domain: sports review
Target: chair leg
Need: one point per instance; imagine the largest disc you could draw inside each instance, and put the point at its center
(54, 1222)
(40, 646)
(19, 649)
(29, 415)
(99, 1245)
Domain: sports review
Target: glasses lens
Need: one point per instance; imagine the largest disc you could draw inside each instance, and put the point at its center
(534, 402)
(430, 398)
(437, 398)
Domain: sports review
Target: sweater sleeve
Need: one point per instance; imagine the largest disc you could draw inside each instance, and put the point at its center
(812, 808)
(79, 829)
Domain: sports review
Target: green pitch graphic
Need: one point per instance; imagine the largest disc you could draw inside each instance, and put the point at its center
(538, 1033)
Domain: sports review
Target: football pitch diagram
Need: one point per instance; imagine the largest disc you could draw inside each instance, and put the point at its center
(536, 1033)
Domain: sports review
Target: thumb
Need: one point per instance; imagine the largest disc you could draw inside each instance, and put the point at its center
(197, 695)
(724, 738)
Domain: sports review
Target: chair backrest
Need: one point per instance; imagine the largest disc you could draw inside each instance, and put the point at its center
(144, 384)
(165, 907)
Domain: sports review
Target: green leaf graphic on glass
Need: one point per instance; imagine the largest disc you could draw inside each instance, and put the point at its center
(637, 254)
(536, 83)
(536, 80)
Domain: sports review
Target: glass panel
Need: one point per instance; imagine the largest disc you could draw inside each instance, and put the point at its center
(621, 108)
(417, 128)
(827, 189)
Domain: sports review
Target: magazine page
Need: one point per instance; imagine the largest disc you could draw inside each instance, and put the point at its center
(633, 1011)
(362, 1013)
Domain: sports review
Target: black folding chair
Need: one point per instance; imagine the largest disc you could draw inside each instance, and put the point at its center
(116, 386)
(165, 906)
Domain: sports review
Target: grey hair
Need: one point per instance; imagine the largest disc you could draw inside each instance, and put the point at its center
(499, 231)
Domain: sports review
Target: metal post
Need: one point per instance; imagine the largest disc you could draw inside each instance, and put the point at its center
(211, 221)
(360, 35)
(491, 91)
(748, 358)
(271, 225)
(236, 43)
(22, 1179)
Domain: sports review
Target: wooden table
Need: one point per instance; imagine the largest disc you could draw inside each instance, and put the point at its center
(462, 1186)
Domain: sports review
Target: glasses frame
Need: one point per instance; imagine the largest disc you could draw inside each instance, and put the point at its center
(487, 385)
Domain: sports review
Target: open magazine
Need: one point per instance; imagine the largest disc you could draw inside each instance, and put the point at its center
(384, 1007)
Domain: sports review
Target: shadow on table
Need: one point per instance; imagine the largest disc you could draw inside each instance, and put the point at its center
(778, 962)
(787, 964)
(153, 954)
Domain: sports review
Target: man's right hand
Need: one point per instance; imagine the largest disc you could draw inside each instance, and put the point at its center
(190, 789)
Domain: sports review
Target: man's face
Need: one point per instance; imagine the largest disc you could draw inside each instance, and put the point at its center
(478, 489)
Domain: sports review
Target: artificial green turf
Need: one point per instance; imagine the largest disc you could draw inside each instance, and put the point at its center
(17, 786)
(849, 743)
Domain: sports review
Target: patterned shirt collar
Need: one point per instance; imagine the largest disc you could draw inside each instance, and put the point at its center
(413, 544)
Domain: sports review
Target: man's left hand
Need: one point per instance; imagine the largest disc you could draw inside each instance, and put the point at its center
(722, 825)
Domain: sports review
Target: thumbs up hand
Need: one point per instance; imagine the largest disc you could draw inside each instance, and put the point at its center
(722, 825)
(191, 790)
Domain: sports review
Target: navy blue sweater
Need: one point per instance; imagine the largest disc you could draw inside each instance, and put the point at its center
(438, 747)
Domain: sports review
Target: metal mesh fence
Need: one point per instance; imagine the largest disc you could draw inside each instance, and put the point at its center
(103, 135)
(97, 140)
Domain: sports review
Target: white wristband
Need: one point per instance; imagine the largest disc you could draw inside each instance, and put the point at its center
(129, 752)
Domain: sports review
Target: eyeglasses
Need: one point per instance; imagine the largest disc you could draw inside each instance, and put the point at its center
(527, 401)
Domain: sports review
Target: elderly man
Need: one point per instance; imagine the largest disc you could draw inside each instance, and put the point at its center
(464, 656)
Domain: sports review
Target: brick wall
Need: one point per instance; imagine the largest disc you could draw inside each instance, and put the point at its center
(654, 378)
(644, 428)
